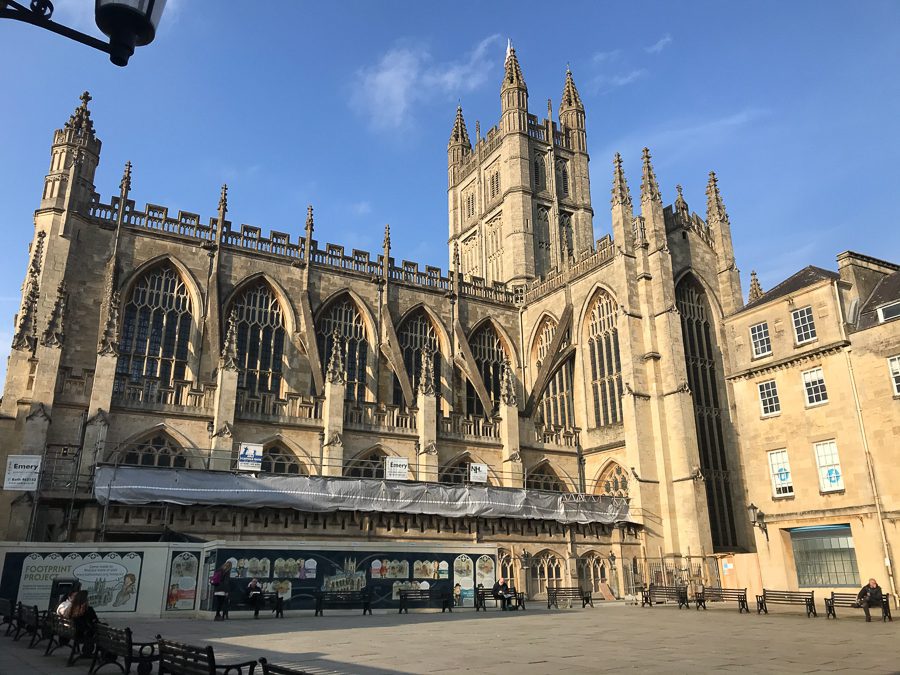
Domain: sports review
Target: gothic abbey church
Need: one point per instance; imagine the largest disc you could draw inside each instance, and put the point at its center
(555, 395)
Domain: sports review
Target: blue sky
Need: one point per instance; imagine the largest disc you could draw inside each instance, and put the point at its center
(348, 106)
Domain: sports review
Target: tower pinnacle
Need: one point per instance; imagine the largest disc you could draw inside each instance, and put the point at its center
(649, 186)
(459, 135)
(571, 99)
(620, 192)
(715, 207)
(756, 291)
(513, 72)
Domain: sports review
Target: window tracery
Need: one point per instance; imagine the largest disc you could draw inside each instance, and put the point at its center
(344, 319)
(259, 328)
(606, 362)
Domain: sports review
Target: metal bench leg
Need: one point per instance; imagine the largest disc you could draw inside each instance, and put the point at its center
(742, 605)
(761, 605)
(829, 609)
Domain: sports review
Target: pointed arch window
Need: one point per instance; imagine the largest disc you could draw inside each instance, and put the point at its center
(592, 571)
(562, 178)
(417, 334)
(280, 461)
(489, 358)
(259, 325)
(156, 329)
(370, 465)
(157, 450)
(557, 406)
(505, 564)
(544, 478)
(542, 246)
(704, 374)
(546, 572)
(545, 339)
(613, 482)
(344, 318)
(566, 234)
(457, 473)
(540, 173)
(606, 362)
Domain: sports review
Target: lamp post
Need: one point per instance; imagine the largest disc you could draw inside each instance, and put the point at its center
(758, 519)
(127, 23)
(612, 572)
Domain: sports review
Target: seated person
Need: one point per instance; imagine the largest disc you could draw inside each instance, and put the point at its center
(500, 591)
(84, 617)
(869, 596)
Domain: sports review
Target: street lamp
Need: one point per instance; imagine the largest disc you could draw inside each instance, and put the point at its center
(127, 23)
(758, 519)
(612, 561)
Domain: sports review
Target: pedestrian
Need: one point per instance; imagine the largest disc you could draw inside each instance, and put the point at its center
(254, 595)
(63, 607)
(221, 583)
(869, 596)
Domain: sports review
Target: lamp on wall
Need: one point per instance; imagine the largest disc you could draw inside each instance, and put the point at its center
(758, 519)
(612, 561)
(524, 559)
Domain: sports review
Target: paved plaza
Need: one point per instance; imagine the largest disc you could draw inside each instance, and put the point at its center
(610, 638)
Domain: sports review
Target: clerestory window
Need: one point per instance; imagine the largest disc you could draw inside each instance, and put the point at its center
(259, 326)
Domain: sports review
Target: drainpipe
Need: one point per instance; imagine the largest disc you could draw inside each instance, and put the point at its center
(872, 482)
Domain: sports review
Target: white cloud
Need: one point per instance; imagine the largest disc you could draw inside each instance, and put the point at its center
(405, 75)
(600, 84)
(659, 45)
(362, 208)
(679, 136)
(605, 57)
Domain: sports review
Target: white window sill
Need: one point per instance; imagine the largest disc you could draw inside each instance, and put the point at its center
(816, 405)
(766, 416)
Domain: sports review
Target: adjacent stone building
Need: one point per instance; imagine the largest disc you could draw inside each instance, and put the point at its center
(816, 375)
(587, 375)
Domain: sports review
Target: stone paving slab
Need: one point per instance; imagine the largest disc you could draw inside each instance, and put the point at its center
(609, 638)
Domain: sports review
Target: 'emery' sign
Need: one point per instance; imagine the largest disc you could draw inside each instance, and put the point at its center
(22, 472)
(396, 468)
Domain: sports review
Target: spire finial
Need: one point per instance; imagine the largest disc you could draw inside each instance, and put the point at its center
(571, 99)
(387, 239)
(507, 386)
(335, 372)
(513, 72)
(756, 291)
(649, 186)
(125, 184)
(621, 195)
(229, 349)
(85, 98)
(223, 201)
(309, 218)
(680, 205)
(715, 207)
(426, 373)
(80, 120)
(477, 130)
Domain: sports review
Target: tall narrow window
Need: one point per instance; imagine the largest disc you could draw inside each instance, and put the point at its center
(829, 464)
(417, 334)
(565, 233)
(156, 329)
(260, 339)
(556, 402)
(545, 339)
(606, 365)
(542, 246)
(804, 325)
(539, 173)
(562, 178)
(769, 402)
(343, 318)
(546, 572)
(780, 472)
(759, 336)
(489, 357)
(704, 373)
(894, 369)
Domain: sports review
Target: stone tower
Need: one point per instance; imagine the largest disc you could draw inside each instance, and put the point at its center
(519, 202)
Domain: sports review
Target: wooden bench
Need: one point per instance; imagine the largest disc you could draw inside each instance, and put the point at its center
(30, 621)
(344, 599)
(428, 596)
(718, 594)
(62, 632)
(805, 598)
(484, 595)
(8, 612)
(654, 593)
(178, 658)
(850, 600)
(269, 669)
(554, 595)
(112, 644)
(268, 601)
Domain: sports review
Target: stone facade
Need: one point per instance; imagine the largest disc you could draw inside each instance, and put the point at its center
(816, 375)
(564, 363)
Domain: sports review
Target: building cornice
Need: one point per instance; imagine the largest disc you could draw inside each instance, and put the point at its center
(789, 361)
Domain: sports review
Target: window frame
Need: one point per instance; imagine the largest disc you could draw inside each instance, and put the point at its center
(889, 305)
(808, 310)
(788, 483)
(894, 372)
(776, 398)
(767, 337)
(808, 384)
(834, 461)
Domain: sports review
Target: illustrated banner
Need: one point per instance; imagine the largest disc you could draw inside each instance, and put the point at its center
(111, 579)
